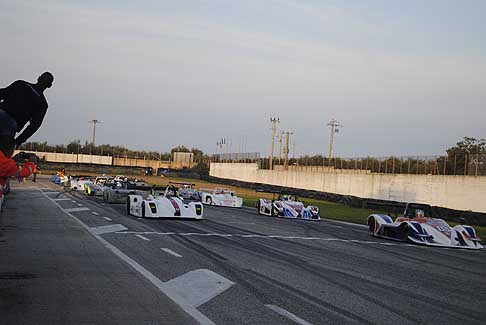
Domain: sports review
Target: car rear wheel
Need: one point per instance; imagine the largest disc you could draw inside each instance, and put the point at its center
(143, 209)
(128, 205)
(372, 225)
(258, 206)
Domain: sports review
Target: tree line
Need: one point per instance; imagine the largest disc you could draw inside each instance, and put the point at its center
(87, 148)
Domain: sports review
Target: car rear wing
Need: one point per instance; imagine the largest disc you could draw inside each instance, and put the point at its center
(181, 183)
(212, 190)
(398, 208)
(145, 187)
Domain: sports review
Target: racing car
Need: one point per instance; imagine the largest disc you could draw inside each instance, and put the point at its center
(418, 226)
(77, 182)
(163, 205)
(187, 191)
(221, 197)
(286, 206)
(118, 192)
(95, 188)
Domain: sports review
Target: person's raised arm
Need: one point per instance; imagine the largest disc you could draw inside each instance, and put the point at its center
(34, 125)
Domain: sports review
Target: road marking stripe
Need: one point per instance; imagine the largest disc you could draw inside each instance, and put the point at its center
(107, 219)
(75, 209)
(95, 213)
(73, 201)
(199, 286)
(62, 199)
(143, 237)
(79, 204)
(171, 252)
(162, 286)
(252, 236)
(107, 229)
(287, 314)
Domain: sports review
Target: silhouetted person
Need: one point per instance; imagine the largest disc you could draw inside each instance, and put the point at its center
(23, 102)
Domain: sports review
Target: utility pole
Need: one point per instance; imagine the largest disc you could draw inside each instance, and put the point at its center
(94, 131)
(286, 148)
(334, 129)
(274, 122)
(280, 138)
(293, 148)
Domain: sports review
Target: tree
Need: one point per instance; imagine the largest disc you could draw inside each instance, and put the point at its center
(180, 149)
(73, 146)
(460, 156)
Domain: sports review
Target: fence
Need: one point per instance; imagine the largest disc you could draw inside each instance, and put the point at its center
(236, 157)
(461, 164)
(124, 161)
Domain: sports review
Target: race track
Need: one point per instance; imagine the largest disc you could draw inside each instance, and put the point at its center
(236, 267)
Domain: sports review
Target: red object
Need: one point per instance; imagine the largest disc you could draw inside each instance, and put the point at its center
(27, 169)
(8, 167)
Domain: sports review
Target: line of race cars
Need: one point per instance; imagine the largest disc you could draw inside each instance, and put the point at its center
(176, 200)
(182, 200)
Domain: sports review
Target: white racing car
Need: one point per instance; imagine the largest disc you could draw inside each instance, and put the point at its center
(221, 197)
(78, 182)
(286, 206)
(417, 226)
(96, 187)
(163, 205)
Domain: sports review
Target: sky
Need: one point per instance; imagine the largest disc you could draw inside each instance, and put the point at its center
(402, 77)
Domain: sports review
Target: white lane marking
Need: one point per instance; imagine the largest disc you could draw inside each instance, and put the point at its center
(107, 229)
(190, 310)
(62, 199)
(255, 236)
(95, 213)
(287, 314)
(79, 204)
(171, 252)
(73, 201)
(199, 286)
(75, 209)
(142, 237)
(107, 219)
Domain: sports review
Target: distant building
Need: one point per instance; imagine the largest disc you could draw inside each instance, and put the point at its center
(183, 157)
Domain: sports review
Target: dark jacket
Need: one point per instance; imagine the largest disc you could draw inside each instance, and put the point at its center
(25, 104)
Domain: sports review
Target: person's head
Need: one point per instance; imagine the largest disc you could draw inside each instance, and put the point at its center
(45, 80)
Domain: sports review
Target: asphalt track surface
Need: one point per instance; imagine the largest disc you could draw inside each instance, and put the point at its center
(234, 267)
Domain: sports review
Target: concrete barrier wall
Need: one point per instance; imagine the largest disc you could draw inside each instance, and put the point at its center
(72, 158)
(155, 164)
(453, 192)
(96, 160)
